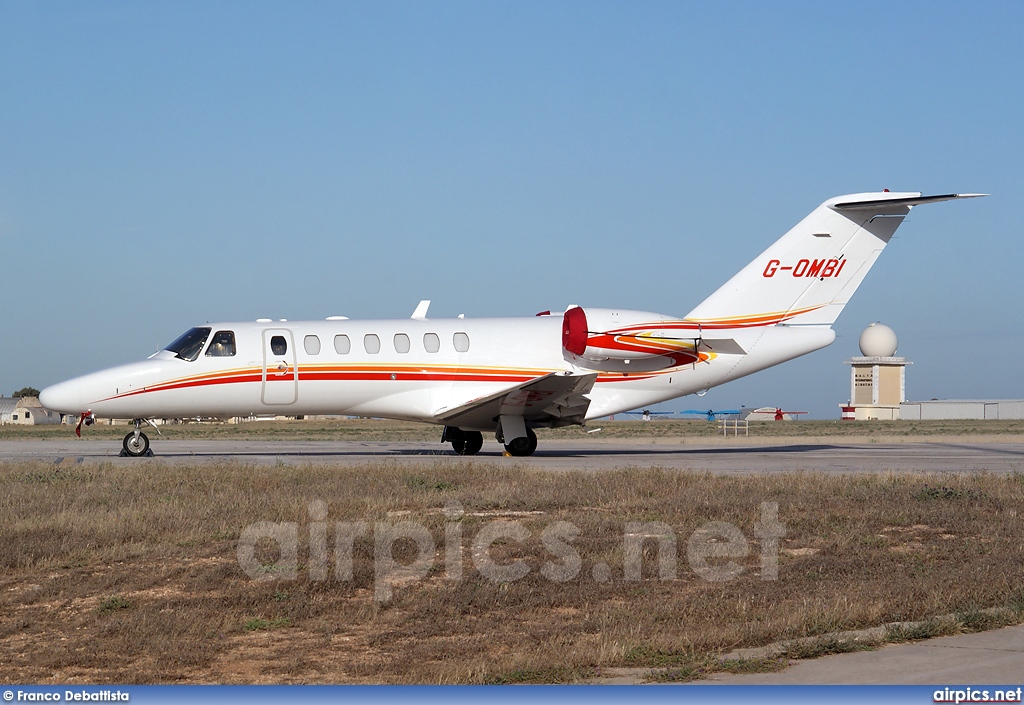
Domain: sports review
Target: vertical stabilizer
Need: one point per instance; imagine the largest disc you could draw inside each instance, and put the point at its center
(809, 274)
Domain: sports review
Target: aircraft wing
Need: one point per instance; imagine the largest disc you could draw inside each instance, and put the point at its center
(557, 398)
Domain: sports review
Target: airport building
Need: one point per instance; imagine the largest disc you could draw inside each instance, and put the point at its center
(26, 410)
(878, 380)
(980, 409)
(878, 388)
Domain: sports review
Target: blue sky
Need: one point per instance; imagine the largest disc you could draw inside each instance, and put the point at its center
(162, 165)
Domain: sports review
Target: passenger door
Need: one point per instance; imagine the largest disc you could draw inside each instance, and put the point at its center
(280, 373)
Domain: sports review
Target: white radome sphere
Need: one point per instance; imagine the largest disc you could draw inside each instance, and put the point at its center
(878, 340)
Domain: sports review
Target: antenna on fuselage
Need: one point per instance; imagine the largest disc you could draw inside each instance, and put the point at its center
(420, 314)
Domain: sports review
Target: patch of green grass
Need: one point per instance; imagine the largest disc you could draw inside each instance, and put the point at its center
(658, 658)
(557, 674)
(681, 674)
(919, 631)
(114, 603)
(700, 668)
(874, 541)
(418, 482)
(1016, 602)
(752, 665)
(259, 624)
(984, 620)
(56, 475)
(826, 646)
(947, 493)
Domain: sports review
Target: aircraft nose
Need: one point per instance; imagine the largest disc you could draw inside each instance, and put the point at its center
(65, 397)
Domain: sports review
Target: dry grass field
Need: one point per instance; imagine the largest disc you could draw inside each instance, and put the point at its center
(683, 429)
(130, 573)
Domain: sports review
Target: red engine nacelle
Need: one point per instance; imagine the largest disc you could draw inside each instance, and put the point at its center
(623, 348)
(574, 330)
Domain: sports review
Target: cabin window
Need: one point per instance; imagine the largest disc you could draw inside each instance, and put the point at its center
(461, 342)
(14, 416)
(312, 345)
(431, 343)
(28, 414)
(402, 344)
(278, 345)
(371, 343)
(189, 345)
(342, 345)
(222, 345)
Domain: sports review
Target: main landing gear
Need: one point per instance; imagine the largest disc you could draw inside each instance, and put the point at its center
(136, 443)
(470, 442)
(463, 442)
(519, 447)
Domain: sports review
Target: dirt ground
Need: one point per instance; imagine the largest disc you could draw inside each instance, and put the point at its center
(112, 573)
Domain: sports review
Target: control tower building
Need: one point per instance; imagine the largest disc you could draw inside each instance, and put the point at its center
(877, 378)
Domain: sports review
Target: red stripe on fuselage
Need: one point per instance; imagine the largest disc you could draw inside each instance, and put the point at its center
(337, 376)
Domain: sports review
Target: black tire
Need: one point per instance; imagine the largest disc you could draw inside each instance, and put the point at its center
(136, 448)
(456, 437)
(524, 446)
(474, 442)
(466, 442)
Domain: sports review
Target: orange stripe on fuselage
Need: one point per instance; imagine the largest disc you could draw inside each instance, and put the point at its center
(346, 373)
(751, 321)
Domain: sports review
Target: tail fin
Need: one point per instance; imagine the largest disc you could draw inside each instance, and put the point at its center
(809, 274)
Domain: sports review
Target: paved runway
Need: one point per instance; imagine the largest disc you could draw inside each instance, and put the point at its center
(993, 657)
(748, 457)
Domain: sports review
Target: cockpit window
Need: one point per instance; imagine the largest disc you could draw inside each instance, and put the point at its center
(222, 345)
(188, 346)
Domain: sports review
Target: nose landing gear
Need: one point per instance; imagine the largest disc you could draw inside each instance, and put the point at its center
(136, 443)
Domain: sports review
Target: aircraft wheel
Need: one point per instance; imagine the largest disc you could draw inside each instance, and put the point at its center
(136, 447)
(467, 442)
(456, 437)
(522, 447)
(474, 442)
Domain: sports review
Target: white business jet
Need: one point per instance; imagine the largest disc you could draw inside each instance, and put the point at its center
(508, 376)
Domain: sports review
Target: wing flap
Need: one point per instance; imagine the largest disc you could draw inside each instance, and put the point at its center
(557, 398)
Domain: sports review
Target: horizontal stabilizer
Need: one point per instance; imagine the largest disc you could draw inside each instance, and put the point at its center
(900, 200)
(557, 399)
(723, 346)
